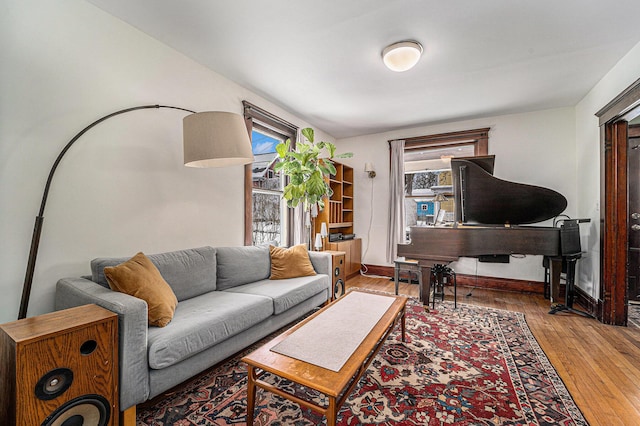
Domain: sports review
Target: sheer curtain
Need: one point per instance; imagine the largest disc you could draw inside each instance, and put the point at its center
(395, 228)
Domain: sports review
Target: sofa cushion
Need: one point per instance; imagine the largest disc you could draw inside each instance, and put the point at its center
(140, 278)
(242, 265)
(204, 321)
(286, 293)
(290, 262)
(189, 272)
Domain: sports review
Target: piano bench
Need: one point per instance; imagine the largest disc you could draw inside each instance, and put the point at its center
(407, 265)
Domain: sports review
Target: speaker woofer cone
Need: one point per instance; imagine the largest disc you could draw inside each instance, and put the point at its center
(338, 288)
(85, 410)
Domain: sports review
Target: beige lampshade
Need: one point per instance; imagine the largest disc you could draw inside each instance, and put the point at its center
(216, 139)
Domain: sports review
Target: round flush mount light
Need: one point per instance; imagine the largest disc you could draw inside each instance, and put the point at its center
(402, 56)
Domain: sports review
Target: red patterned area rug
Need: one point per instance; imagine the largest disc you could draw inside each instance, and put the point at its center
(466, 366)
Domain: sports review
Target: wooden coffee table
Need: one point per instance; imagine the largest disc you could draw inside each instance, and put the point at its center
(337, 386)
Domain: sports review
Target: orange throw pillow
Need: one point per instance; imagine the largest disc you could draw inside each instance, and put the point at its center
(290, 262)
(140, 278)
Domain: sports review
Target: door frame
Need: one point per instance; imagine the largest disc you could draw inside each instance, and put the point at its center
(614, 219)
(633, 164)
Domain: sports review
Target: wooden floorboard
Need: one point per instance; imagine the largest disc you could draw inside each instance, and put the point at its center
(599, 364)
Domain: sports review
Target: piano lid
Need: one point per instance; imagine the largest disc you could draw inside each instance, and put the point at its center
(481, 198)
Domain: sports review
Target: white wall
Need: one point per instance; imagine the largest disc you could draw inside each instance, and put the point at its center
(536, 148)
(122, 187)
(623, 74)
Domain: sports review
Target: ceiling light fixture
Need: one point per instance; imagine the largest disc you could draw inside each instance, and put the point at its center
(402, 56)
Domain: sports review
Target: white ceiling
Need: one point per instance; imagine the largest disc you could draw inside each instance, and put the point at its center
(321, 61)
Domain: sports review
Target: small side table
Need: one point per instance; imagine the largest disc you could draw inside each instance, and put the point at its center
(408, 265)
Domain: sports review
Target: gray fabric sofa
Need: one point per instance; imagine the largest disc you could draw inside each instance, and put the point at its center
(225, 303)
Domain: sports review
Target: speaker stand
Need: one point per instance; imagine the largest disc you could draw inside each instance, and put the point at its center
(569, 292)
(563, 308)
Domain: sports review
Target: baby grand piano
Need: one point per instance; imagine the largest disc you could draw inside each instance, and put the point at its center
(489, 218)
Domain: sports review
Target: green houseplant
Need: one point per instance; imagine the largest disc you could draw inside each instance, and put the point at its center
(307, 168)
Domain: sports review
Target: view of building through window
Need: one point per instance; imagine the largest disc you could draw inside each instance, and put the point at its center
(269, 208)
(428, 188)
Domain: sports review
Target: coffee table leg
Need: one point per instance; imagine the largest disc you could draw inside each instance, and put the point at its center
(251, 393)
(403, 325)
(332, 412)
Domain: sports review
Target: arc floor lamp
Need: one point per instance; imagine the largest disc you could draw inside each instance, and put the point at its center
(210, 139)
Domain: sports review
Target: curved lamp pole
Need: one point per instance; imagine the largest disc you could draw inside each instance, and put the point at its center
(35, 239)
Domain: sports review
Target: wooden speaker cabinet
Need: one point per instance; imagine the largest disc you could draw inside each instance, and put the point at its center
(60, 369)
(338, 265)
(352, 249)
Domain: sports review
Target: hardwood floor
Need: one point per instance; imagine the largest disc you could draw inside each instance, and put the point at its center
(599, 364)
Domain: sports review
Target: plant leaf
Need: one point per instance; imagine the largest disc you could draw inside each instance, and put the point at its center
(298, 156)
(331, 167)
(297, 179)
(303, 147)
(283, 147)
(345, 155)
(332, 149)
(325, 170)
(307, 132)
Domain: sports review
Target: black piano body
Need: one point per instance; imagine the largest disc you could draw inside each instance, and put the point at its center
(442, 243)
(492, 218)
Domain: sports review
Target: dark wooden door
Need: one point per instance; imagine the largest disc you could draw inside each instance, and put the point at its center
(615, 214)
(633, 158)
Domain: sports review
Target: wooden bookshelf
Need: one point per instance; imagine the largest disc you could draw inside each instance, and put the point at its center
(338, 215)
(338, 209)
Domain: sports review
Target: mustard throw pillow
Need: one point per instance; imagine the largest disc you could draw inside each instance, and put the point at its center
(140, 278)
(290, 262)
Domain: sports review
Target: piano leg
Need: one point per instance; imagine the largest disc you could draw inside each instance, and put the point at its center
(426, 286)
(555, 269)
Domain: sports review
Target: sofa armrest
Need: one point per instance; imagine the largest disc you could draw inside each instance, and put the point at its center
(321, 262)
(132, 324)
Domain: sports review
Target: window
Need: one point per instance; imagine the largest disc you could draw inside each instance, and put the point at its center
(269, 213)
(267, 218)
(428, 191)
